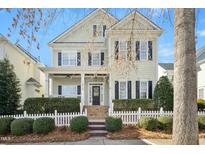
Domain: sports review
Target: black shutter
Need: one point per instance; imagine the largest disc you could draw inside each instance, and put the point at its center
(89, 58)
(129, 90)
(102, 58)
(137, 89)
(129, 50)
(94, 30)
(116, 49)
(137, 50)
(116, 90)
(78, 90)
(150, 89)
(78, 59)
(104, 28)
(59, 90)
(149, 50)
(59, 58)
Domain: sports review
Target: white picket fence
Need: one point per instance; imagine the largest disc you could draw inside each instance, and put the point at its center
(61, 119)
(132, 117)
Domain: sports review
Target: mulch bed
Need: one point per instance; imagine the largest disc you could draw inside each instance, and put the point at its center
(60, 134)
(133, 132)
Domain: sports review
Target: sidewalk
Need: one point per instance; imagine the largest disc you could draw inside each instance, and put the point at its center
(168, 141)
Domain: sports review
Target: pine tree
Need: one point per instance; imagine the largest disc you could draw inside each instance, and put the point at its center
(163, 93)
(9, 89)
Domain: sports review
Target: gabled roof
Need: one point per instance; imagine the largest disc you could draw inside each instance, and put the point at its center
(33, 81)
(200, 54)
(80, 22)
(167, 66)
(139, 14)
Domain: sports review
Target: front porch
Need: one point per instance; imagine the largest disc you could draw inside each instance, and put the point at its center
(93, 89)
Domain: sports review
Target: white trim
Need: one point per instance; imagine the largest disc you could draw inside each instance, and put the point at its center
(69, 52)
(143, 40)
(123, 40)
(98, 52)
(90, 84)
(147, 88)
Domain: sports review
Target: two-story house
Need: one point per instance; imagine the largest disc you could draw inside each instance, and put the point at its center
(102, 58)
(27, 68)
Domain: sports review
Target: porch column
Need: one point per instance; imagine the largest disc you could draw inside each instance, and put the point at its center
(47, 85)
(82, 92)
(110, 93)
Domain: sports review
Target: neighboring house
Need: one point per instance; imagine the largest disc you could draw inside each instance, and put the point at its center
(89, 59)
(200, 59)
(166, 69)
(27, 68)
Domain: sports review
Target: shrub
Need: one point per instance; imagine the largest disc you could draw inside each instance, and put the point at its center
(201, 121)
(49, 105)
(5, 125)
(201, 104)
(113, 124)
(79, 124)
(165, 123)
(43, 125)
(164, 94)
(148, 123)
(22, 126)
(133, 104)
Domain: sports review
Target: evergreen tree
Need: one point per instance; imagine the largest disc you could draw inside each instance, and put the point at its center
(163, 93)
(9, 88)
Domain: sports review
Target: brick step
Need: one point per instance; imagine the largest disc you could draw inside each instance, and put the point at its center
(98, 132)
(97, 127)
(97, 122)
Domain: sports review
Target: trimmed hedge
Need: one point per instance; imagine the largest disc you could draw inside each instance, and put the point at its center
(49, 105)
(79, 124)
(113, 124)
(133, 104)
(201, 104)
(201, 121)
(22, 126)
(148, 123)
(165, 123)
(43, 125)
(5, 125)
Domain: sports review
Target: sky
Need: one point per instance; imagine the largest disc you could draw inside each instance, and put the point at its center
(71, 16)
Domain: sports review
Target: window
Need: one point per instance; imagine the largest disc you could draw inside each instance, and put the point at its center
(70, 91)
(123, 90)
(201, 93)
(96, 59)
(123, 49)
(69, 59)
(143, 89)
(143, 50)
(94, 30)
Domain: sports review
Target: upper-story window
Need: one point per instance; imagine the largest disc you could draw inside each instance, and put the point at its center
(69, 59)
(143, 50)
(123, 49)
(95, 58)
(94, 30)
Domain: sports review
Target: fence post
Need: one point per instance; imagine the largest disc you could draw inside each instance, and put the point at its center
(139, 112)
(55, 117)
(24, 113)
(161, 111)
(86, 112)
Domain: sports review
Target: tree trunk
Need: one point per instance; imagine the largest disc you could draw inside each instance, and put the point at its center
(185, 125)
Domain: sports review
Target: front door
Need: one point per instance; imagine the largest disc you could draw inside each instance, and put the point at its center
(96, 95)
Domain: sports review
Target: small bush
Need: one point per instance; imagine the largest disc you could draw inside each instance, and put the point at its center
(113, 124)
(49, 105)
(79, 124)
(43, 125)
(201, 104)
(165, 123)
(148, 123)
(201, 121)
(22, 126)
(5, 125)
(133, 104)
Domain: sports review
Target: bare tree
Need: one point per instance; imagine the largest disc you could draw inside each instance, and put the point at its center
(185, 126)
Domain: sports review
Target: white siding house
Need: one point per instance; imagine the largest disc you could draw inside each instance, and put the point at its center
(91, 59)
(166, 69)
(27, 68)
